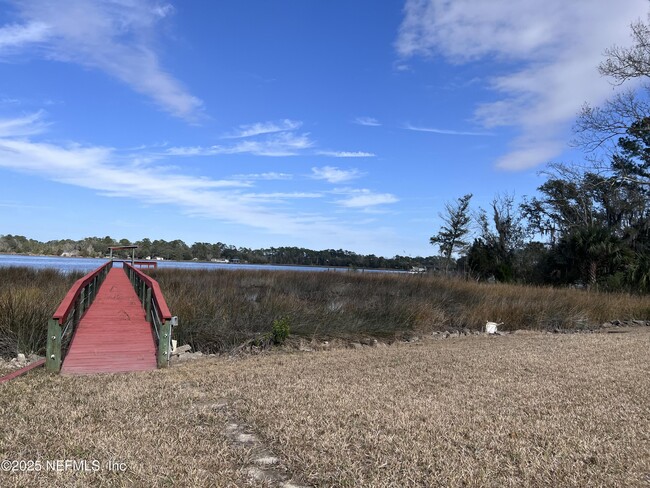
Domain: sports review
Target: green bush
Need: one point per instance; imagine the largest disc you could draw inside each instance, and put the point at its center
(280, 330)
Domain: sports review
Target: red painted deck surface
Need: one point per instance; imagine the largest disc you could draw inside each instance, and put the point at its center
(113, 336)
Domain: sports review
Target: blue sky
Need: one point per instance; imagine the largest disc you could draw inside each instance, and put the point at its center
(323, 124)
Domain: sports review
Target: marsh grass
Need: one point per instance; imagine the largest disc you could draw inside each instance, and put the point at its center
(28, 298)
(222, 308)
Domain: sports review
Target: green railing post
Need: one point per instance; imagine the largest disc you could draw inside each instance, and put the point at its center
(164, 343)
(53, 349)
(82, 302)
(77, 311)
(148, 305)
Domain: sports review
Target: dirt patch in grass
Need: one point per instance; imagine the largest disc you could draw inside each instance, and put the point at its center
(517, 410)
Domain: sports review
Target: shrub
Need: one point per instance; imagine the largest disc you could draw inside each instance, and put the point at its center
(280, 330)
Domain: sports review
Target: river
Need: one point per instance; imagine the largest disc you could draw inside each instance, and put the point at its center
(88, 264)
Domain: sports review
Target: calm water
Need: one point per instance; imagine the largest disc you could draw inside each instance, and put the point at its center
(89, 264)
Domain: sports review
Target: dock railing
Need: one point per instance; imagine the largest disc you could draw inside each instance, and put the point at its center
(61, 326)
(156, 309)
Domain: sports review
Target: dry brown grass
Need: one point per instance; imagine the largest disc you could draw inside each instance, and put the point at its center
(28, 298)
(159, 434)
(520, 410)
(220, 309)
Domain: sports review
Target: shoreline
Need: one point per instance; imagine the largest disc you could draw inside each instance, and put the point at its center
(315, 267)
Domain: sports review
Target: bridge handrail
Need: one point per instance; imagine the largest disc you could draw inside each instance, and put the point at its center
(156, 293)
(68, 302)
(157, 311)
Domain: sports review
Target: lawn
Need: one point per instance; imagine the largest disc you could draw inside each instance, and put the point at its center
(529, 409)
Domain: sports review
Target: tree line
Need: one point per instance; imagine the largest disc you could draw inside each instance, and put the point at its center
(177, 250)
(590, 222)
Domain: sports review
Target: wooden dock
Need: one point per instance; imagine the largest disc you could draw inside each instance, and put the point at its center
(114, 335)
(113, 320)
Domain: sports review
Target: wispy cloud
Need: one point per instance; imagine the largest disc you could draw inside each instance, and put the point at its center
(17, 35)
(192, 151)
(23, 126)
(332, 174)
(114, 37)
(445, 131)
(274, 145)
(547, 52)
(346, 154)
(277, 197)
(364, 198)
(9, 101)
(275, 139)
(16, 205)
(99, 169)
(118, 174)
(264, 176)
(280, 144)
(367, 121)
(259, 128)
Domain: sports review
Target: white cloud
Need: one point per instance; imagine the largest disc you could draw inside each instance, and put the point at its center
(99, 169)
(17, 205)
(527, 154)
(16, 35)
(274, 139)
(163, 11)
(113, 36)
(346, 154)
(550, 52)
(259, 128)
(335, 175)
(367, 121)
(272, 175)
(119, 174)
(445, 131)
(192, 151)
(9, 101)
(279, 144)
(274, 145)
(23, 126)
(277, 197)
(363, 198)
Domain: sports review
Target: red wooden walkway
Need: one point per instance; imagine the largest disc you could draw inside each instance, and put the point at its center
(113, 336)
